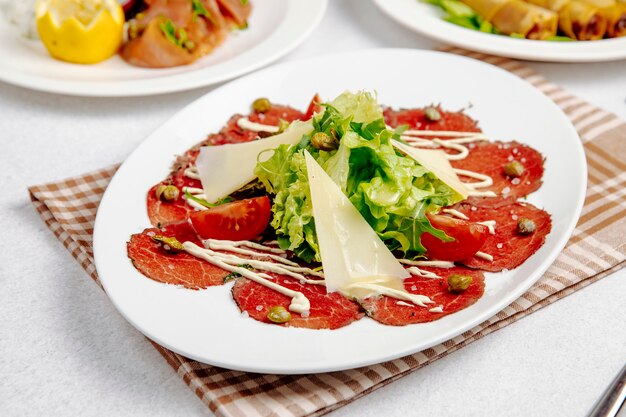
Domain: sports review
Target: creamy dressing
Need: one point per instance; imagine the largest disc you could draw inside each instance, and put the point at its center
(484, 256)
(193, 190)
(455, 213)
(421, 273)
(484, 180)
(247, 124)
(434, 264)
(438, 309)
(491, 226)
(373, 288)
(299, 302)
(404, 303)
(192, 172)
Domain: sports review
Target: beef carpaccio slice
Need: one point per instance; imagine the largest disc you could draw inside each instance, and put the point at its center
(390, 311)
(416, 119)
(172, 268)
(160, 212)
(328, 311)
(490, 158)
(508, 247)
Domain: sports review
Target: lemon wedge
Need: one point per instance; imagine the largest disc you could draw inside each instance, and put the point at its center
(80, 31)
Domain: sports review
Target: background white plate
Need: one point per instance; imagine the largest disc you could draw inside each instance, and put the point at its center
(426, 19)
(206, 325)
(275, 28)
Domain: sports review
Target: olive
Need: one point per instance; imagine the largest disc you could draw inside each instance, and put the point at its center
(167, 193)
(514, 169)
(324, 141)
(261, 105)
(525, 226)
(458, 282)
(432, 114)
(279, 314)
(170, 244)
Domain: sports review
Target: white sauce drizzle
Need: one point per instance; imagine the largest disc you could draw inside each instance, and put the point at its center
(246, 124)
(491, 225)
(417, 299)
(482, 194)
(485, 180)
(193, 190)
(403, 303)
(435, 264)
(438, 309)
(299, 302)
(421, 273)
(197, 206)
(484, 256)
(455, 213)
(192, 172)
(446, 134)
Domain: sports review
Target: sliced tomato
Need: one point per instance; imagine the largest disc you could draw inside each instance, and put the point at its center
(314, 107)
(468, 238)
(239, 220)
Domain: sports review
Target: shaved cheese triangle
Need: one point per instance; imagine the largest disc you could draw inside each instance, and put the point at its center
(226, 168)
(356, 262)
(436, 162)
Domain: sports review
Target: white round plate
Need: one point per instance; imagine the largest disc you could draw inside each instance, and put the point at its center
(207, 326)
(275, 28)
(426, 19)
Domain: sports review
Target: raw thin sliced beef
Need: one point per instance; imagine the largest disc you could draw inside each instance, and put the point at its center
(161, 212)
(416, 119)
(328, 311)
(508, 247)
(387, 310)
(178, 269)
(490, 158)
(232, 133)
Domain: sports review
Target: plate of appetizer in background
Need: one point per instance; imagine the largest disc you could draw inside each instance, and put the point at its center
(185, 253)
(104, 49)
(541, 30)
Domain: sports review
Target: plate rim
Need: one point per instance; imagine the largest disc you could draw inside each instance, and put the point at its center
(543, 51)
(443, 336)
(308, 20)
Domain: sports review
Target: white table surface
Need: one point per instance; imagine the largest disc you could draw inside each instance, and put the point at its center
(64, 349)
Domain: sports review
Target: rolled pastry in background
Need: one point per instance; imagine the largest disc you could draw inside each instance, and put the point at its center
(578, 19)
(515, 16)
(615, 15)
(582, 21)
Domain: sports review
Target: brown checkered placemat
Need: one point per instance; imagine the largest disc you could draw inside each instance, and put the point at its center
(596, 249)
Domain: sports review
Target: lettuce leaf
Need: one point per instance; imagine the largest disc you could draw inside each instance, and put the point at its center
(390, 190)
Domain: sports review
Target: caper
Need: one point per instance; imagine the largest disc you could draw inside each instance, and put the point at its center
(324, 141)
(279, 314)
(514, 169)
(261, 105)
(170, 244)
(432, 114)
(525, 226)
(167, 193)
(458, 282)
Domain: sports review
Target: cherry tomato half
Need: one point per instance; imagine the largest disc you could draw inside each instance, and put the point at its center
(468, 238)
(239, 220)
(314, 107)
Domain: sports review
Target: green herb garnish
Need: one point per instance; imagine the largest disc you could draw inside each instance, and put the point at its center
(205, 203)
(200, 10)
